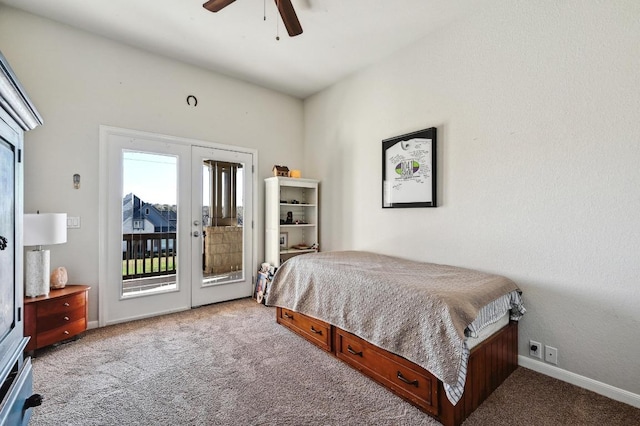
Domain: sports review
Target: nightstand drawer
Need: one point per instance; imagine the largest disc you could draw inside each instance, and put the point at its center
(61, 305)
(61, 319)
(61, 333)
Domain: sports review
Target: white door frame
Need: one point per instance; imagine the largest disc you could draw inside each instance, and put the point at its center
(104, 172)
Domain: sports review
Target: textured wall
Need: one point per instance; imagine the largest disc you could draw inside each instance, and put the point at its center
(536, 106)
(79, 81)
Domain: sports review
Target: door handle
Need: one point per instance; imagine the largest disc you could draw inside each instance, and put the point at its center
(196, 233)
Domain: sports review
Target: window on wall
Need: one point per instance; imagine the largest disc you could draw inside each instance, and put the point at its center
(138, 225)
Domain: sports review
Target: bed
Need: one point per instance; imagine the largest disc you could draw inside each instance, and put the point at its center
(439, 336)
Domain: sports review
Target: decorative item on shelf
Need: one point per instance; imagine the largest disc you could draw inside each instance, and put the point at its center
(282, 171)
(59, 278)
(295, 174)
(289, 218)
(301, 247)
(41, 230)
(284, 240)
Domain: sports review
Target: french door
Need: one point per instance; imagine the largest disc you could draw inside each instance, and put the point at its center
(222, 213)
(176, 224)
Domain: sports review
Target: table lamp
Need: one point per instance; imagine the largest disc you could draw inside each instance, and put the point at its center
(41, 230)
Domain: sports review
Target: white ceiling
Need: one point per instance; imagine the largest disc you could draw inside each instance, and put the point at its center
(340, 36)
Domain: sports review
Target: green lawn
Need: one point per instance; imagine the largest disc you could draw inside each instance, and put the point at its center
(150, 265)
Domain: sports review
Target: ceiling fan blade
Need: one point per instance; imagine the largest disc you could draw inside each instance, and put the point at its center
(289, 17)
(217, 5)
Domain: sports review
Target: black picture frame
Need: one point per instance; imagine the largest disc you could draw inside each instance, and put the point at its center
(409, 170)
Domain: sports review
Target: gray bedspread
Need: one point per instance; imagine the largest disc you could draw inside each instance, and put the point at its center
(417, 310)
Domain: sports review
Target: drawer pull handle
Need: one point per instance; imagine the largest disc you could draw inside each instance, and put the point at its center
(352, 352)
(286, 315)
(313, 330)
(66, 332)
(66, 304)
(402, 379)
(66, 318)
(34, 400)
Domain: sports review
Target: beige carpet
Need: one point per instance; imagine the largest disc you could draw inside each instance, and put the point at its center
(231, 364)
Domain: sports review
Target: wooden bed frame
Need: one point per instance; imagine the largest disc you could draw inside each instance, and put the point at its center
(490, 363)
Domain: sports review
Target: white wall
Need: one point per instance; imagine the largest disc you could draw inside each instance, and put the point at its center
(79, 81)
(536, 106)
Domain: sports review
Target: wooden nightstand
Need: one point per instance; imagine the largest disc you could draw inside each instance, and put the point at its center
(59, 316)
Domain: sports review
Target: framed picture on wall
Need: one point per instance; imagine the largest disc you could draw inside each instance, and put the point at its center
(409, 170)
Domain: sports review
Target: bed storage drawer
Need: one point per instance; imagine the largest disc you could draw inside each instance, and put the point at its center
(401, 376)
(490, 363)
(315, 331)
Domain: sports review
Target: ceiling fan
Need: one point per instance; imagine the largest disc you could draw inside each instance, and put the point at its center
(288, 14)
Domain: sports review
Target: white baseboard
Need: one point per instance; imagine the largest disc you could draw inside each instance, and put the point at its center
(92, 324)
(581, 381)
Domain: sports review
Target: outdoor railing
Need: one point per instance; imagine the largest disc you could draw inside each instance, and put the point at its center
(148, 255)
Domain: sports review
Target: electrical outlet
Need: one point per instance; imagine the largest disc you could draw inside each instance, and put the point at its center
(535, 349)
(551, 354)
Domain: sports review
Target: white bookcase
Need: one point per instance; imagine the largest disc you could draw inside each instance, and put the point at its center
(296, 196)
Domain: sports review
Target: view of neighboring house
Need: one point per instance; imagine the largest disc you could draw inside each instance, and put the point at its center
(140, 217)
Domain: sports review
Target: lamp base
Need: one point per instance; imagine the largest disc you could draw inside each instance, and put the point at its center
(37, 273)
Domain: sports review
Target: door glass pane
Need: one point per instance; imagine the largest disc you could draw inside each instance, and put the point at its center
(149, 219)
(222, 224)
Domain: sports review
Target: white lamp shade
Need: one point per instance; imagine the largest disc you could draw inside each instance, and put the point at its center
(45, 229)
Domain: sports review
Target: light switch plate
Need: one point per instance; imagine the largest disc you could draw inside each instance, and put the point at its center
(73, 222)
